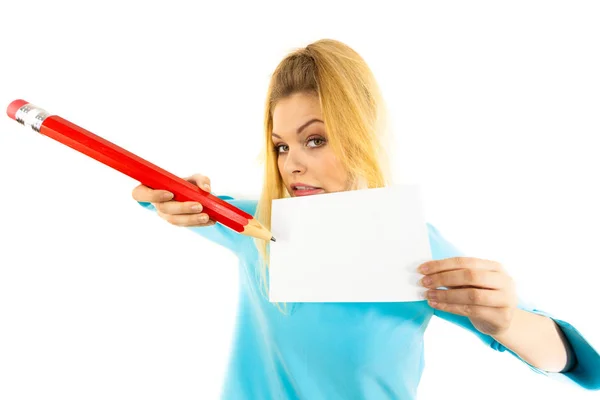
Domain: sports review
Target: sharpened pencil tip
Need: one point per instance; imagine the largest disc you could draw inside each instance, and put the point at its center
(273, 239)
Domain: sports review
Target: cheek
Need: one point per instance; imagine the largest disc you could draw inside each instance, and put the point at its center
(280, 167)
(279, 164)
(335, 172)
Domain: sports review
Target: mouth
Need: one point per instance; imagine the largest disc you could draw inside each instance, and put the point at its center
(303, 190)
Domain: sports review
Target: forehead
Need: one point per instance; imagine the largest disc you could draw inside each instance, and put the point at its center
(291, 112)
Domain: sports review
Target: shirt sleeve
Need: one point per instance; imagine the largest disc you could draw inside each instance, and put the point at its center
(219, 233)
(584, 369)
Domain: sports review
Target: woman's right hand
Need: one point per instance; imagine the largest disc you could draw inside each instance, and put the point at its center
(176, 212)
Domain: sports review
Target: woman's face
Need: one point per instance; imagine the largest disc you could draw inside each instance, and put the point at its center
(306, 162)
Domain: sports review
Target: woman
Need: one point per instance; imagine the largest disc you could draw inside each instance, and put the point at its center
(324, 132)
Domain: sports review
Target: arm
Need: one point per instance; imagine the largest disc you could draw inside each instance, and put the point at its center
(218, 233)
(539, 341)
(584, 359)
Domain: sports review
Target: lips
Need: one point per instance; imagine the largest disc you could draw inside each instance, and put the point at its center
(305, 190)
(302, 186)
(299, 187)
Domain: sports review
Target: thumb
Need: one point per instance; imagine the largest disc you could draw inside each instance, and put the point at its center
(200, 180)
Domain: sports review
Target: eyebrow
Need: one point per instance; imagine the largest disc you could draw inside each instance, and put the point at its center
(301, 128)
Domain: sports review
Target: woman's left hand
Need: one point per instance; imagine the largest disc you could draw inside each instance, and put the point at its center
(479, 289)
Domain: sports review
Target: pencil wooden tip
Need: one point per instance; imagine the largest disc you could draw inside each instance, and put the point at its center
(273, 239)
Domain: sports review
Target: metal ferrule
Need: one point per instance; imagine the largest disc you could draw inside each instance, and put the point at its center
(32, 116)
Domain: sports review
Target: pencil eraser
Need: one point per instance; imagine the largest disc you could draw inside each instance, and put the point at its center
(14, 107)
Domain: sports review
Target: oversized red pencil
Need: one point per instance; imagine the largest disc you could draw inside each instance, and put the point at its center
(136, 167)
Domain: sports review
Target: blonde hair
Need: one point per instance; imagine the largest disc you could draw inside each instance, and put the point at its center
(353, 111)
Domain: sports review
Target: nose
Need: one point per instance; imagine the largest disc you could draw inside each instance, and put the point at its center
(294, 162)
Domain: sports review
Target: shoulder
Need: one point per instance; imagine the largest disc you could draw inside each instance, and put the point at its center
(245, 204)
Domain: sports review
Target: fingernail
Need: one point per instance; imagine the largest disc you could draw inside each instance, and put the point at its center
(167, 196)
(425, 281)
(423, 269)
(203, 218)
(197, 207)
(206, 187)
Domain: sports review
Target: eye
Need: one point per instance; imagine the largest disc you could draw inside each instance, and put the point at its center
(277, 148)
(318, 141)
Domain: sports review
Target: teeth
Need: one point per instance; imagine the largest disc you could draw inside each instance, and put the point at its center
(304, 188)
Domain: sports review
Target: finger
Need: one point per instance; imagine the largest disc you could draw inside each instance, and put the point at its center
(145, 194)
(473, 311)
(466, 277)
(453, 263)
(502, 315)
(187, 219)
(178, 207)
(200, 181)
(482, 297)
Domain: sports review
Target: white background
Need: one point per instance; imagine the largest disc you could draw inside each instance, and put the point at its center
(495, 112)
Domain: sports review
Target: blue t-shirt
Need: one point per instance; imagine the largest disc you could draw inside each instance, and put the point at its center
(344, 350)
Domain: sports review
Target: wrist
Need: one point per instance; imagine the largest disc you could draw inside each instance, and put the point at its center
(504, 335)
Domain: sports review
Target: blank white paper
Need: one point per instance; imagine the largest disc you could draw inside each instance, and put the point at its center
(353, 246)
